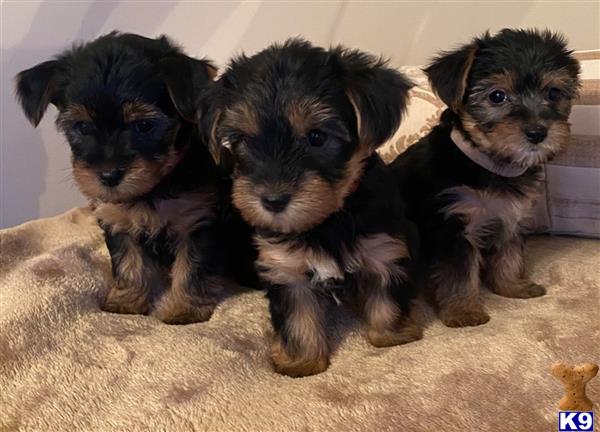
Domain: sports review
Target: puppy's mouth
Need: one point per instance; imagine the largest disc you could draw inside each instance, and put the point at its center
(108, 184)
(518, 145)
(539, 146)
(122, 183)
(286, 210)
(298, 206)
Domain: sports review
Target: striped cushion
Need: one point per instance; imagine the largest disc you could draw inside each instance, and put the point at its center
(573, 178)
(570, 203)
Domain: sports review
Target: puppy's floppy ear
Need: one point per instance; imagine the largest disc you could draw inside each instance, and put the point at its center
(211, 106)
(378, 93)
(186, 79)
(448, 74)
(36, 88)
(210, 123)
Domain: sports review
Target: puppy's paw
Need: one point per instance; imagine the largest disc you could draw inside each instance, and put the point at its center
(524, 290)
(386, 338)
(126, 301)
(461, 317)
(172, 310)
(286, 364)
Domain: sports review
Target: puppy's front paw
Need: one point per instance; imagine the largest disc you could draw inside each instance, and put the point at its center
(524, 290)
(126, 301)
(535, 290)
(386, 338)
(171, 310)
(462, 317)
(286, 364)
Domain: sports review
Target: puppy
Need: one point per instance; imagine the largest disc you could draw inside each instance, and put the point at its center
(470, 184)
(303, 124)
(127, 106)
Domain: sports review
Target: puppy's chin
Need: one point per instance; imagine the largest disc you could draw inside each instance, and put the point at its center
(310, 205)
(140, 178)
(507, 142)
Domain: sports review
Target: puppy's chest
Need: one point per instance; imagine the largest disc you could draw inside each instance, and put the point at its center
(178, 215)
(284, 262)
(485, 211)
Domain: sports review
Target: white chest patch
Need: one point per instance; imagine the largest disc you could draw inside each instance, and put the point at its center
(376, 254)
(323, 267)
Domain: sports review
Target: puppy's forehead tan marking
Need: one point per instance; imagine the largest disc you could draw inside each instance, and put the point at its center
(243, 117)
(306, 114)
(507, 80)
(77, 112)
(557, 78)
(137, 110)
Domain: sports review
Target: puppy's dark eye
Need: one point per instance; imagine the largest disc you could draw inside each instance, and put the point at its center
(316, 138)
(143, 126)
(84, 128)
(554, 94)
(497, 96)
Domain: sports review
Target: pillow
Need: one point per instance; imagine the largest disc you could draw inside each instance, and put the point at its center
(573, 178)
(570, 202)
(423, 112)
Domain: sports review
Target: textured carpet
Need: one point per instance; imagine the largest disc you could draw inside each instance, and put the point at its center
(65, 365)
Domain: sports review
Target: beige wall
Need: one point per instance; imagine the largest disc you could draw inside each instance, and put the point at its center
(34, 165)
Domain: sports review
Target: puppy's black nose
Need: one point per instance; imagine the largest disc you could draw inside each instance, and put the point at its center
(111, 178)
(536, 134)
(275, 203)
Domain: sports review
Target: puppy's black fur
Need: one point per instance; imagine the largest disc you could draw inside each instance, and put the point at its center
(128, 107)
(509, 98)
(303, 124)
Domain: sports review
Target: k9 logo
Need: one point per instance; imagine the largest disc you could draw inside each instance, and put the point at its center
(575, 421)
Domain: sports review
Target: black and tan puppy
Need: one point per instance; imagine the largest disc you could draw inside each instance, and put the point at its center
(303, 124)
(471, 182)
(127, 106)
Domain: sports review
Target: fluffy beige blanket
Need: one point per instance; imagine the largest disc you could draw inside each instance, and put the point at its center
(65, 365)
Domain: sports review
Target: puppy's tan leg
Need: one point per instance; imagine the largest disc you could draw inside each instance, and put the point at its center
(504, 273)
(134, 276)
(387, 323)
(385, 290)
(456, 282)
(192, 294)
(300, 345)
